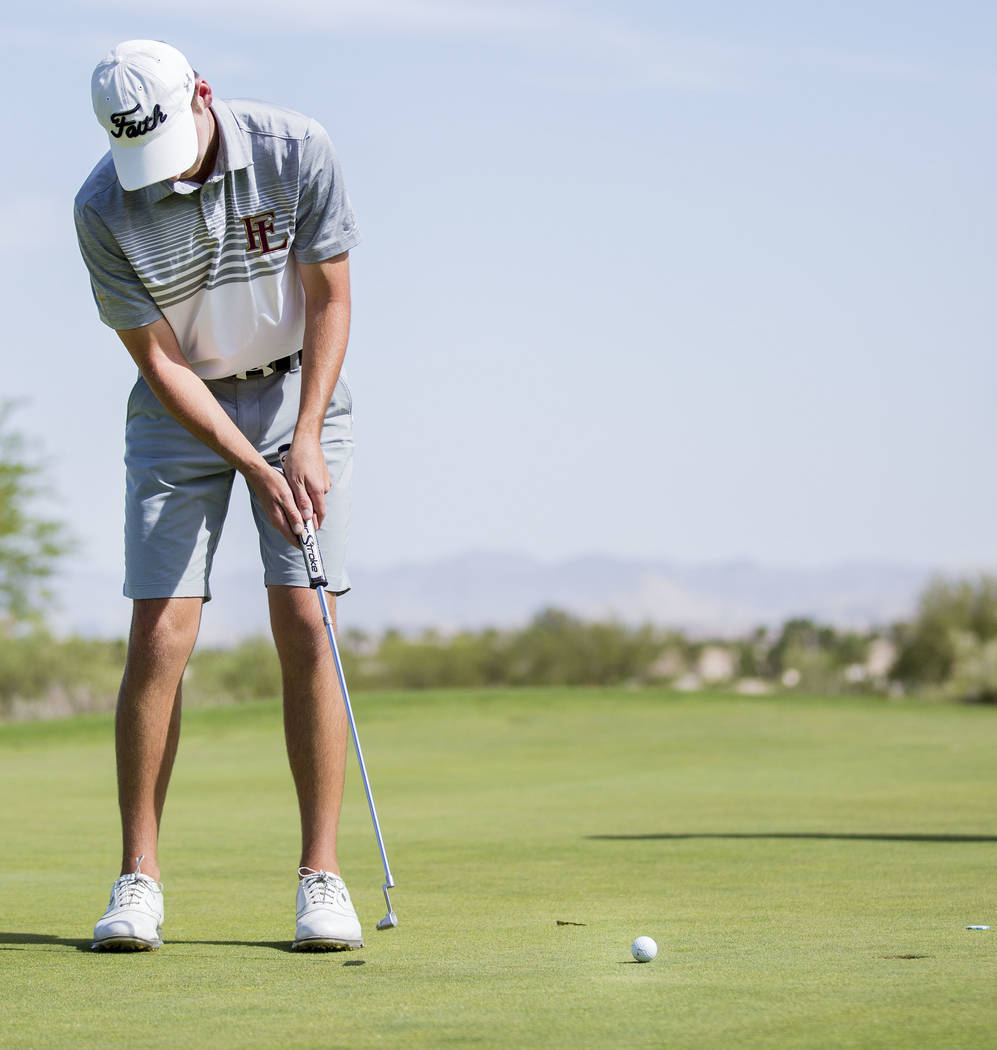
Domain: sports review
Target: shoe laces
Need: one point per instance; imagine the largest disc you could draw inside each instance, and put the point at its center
(134, 888)
(322, 887)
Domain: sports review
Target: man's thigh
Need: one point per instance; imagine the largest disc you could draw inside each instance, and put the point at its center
(178, 488)
(176, 497)
(283, 564)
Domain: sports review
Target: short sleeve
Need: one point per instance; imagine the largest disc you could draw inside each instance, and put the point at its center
(325, 225)
(122, 299)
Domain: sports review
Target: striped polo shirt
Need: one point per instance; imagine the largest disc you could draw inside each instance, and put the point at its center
(219, 261)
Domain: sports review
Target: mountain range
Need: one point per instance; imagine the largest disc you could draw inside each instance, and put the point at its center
(505, 590)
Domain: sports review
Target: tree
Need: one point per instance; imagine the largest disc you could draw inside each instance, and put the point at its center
(974, 670)
(30, 546)
(956, 619)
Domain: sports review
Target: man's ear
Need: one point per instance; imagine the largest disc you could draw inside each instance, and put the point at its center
(202, 95)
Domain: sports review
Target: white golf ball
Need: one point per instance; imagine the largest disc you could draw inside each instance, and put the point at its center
(644, 949)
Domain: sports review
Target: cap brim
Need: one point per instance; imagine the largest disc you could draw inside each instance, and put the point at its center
(169, 154)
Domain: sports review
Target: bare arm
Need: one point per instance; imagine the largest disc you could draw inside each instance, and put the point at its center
(327, 331)
(184, 395)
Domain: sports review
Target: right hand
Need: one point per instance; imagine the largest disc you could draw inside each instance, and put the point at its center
(277, 501)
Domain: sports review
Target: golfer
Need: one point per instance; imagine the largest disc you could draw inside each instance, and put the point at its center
(217, 238)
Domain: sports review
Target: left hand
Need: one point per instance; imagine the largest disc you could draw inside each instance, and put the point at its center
(308, 477)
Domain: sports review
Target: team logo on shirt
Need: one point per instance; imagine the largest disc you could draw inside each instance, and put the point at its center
(259, 230)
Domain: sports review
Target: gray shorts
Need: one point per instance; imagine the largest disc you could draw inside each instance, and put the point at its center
(177, 489)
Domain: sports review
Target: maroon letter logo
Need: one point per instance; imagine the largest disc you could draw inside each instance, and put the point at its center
(259, 229)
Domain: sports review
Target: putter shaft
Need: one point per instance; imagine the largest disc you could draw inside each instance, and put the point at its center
(317, 579)
(390, 919)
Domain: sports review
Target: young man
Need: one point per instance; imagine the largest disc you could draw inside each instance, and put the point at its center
(216, 235)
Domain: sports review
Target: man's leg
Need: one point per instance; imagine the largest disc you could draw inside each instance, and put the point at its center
(147, 724)
(315, 724)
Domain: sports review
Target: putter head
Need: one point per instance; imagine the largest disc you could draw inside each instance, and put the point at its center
(391, 919)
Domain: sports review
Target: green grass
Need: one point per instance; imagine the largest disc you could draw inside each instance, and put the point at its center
(807, 867)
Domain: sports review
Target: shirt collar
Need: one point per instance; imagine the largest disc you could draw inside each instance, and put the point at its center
(234, 152)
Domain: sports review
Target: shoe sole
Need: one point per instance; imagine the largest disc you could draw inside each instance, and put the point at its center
(323, 944)
(125, 944)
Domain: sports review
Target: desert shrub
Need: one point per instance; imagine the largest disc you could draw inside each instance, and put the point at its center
(955, 619)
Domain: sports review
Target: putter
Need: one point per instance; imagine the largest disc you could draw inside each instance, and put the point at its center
(317, 580)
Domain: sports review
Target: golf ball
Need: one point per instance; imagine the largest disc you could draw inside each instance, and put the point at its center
(644, 949)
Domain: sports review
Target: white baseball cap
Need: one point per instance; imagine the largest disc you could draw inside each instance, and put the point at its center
(142, 91)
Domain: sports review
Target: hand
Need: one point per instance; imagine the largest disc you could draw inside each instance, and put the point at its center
(308, 477)
(277, 501)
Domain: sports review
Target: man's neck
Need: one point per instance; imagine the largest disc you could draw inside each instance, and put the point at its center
(207, 165)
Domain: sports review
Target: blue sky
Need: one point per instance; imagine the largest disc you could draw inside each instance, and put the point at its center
(694, 282)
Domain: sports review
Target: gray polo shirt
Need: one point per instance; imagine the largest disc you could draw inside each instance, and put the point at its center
(219, 261)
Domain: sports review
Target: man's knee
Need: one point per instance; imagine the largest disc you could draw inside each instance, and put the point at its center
(296, 620)
(163, 629)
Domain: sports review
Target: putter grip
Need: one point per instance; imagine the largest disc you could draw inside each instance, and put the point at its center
(308, 542)
(314, 566)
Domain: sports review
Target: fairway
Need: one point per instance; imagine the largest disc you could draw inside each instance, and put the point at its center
(807, 866)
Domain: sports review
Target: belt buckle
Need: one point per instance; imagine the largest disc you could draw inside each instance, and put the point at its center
(255, 373)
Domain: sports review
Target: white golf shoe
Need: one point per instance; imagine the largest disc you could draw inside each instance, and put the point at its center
(327, 921)
(133, 921)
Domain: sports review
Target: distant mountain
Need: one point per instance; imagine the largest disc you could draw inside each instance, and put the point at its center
(504, 590)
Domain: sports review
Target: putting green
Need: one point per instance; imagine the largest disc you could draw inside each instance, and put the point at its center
(808, 868)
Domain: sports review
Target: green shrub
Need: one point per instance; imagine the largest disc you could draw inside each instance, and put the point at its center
(250, 671)
(58, 676)
(954, 618)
